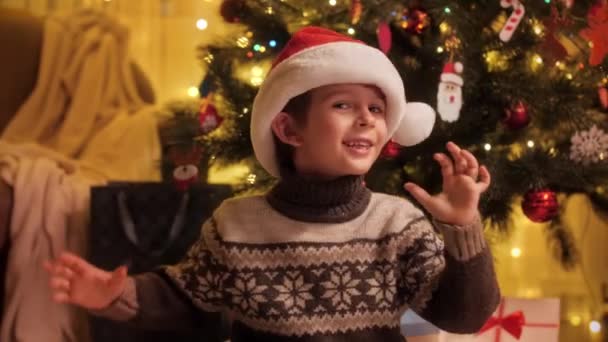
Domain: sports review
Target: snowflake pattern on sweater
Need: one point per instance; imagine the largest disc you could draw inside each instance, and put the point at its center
(303, 288)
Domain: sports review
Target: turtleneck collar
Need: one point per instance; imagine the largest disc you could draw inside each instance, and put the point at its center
(334, 201)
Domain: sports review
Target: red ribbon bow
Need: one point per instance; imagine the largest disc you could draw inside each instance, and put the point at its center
(513, 323)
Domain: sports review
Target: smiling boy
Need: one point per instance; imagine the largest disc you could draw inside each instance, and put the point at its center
(320, 257)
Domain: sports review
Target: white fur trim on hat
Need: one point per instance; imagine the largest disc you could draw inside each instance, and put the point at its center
(452, 78)
(334, 63)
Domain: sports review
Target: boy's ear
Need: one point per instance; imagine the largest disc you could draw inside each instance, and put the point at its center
(285, 128)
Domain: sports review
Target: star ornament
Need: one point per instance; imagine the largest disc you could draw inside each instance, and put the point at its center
(596, 32)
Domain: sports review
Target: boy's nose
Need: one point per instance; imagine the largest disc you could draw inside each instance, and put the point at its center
(366, 118)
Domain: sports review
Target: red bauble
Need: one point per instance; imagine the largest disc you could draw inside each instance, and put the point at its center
(540, 205)
(391, 150)
(232, 10)
(208, 117)
(414, 20)
(603, 96)
(517, 116)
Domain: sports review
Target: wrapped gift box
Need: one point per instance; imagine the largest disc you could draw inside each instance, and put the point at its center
(517, 320)
(416, 329)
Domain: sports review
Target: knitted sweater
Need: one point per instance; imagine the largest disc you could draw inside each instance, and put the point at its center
(327, 261)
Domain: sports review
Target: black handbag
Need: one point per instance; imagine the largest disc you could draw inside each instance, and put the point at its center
(144, 225)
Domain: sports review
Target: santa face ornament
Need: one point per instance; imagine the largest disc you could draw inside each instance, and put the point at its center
(449, 95)
(449, 101)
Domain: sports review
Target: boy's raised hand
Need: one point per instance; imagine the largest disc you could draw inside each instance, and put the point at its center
(463, 183)
(75, 281)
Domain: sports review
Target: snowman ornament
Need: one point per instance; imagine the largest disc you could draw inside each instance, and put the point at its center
(449, 95)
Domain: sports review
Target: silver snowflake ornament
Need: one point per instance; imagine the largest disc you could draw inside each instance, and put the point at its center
(589, 146)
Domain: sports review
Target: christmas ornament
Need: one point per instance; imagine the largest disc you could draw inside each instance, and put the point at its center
(589, 146)
(597, 19)
(185, 159)
(516, 116)
(233, 10)
(356, 9)
(414, 20)
(385, 38)
(518, 13)
(554, 48)
(208, 117)
(567, 3)
(449, 95)
(602, 93)
(390, 150)
(540, 205)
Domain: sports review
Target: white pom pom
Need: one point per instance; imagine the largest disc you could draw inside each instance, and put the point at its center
(458, 67)
(416, 125)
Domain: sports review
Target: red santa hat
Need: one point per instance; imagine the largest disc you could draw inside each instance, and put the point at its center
(451, 73)
(316, 57)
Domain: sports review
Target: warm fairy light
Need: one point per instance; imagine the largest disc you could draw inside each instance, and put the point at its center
(202, 24)
(249, 34)
(515, 252)
(569, 76)
(242, 42)
(444, 27)
(487, 147)
(269, 10)
(251, 178)
(193, 92)
(601, 156)
(538, 59)
(245, 110)
(560, 65)
(538, 29)
(332, 2)
(595, 327)
(262, 49)
(439, 49)
(257, 71)
(351, 31)
(575, 320)
(530, 143)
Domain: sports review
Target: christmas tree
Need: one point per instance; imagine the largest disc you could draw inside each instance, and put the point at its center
(523, 85)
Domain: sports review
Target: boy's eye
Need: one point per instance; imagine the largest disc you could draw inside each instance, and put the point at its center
(341, 105)
(376, 109)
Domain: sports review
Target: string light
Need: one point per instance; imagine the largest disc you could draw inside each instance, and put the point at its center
(262, 49)
(272, 43)
(249, 34)
(487, 147)
(202, 24)
(257, 47)
(439, 49)
(250, 54)
(447, 10)
(269, 10)
(332, 2)
(538, 59)
(193, 92)
(530, 143)
(538, 30)
(515, 252)
(560, 65)
(569, 76)
(595, 327)
(547, 1)
(444, 27)
(251, 178)
(351, 31)
(575, 320)
(245, 110)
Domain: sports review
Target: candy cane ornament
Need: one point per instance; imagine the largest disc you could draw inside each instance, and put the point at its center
(518, 13)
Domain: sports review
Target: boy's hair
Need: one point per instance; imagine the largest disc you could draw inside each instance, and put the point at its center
(297, 108)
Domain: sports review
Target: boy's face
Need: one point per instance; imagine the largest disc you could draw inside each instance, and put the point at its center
(344, 131)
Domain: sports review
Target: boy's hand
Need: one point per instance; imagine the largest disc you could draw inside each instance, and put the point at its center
(75, 281)
(458, 201)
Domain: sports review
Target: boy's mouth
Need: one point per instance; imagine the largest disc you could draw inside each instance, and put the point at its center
(359, 145)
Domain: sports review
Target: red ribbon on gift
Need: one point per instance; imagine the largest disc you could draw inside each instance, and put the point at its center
(512, 323)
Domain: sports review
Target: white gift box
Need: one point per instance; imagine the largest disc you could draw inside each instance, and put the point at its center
(517, 320)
